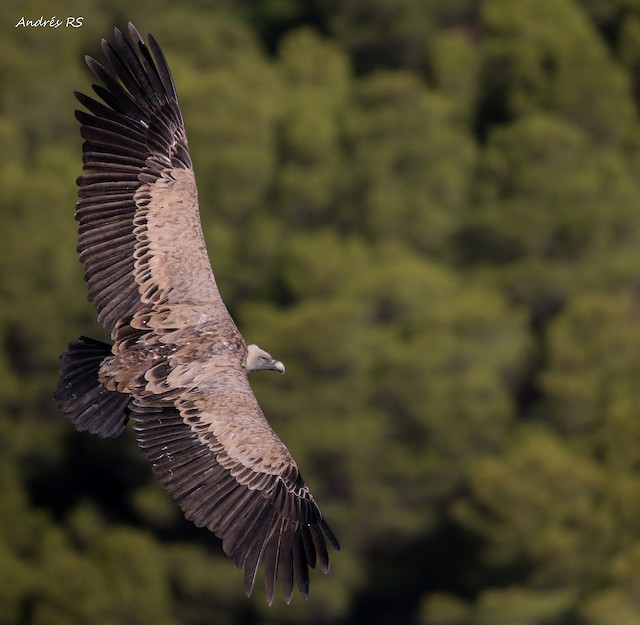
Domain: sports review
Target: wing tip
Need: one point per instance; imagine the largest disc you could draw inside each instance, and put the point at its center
(134, 33)
(330, 536)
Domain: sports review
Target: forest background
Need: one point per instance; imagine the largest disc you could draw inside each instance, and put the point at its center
(430, 211)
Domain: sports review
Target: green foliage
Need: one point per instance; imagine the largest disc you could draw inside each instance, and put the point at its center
(545, 55)
(382, 32)
(410, 163)
(429, 212)
(528, 517)
(456, 67)
(594, 364)
(554, 213)
(315, 77)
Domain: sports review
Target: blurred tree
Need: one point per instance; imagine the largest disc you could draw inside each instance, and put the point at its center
(618, 602)
(590, 386)
(609, 15)
(455, 67)
(383, 33)
(410, 163)
(521, 606)
(526, 506)
(545, 55)
(594, 364)
(628, 48)
(554, 214)
(315, 77)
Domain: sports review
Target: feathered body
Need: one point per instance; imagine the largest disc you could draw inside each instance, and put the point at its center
(178, 364)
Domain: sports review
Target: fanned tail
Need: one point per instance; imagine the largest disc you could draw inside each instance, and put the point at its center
(81, 396)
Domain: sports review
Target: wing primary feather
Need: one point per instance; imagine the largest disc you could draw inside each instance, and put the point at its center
(110, 170)
(107, 201)
(329, 535)
(256, 546)
(320, 547)
(161, 128)
(100, 110)
(148, 62)
(133, 83)
(227, 506)
(271, 563)
(236, 520)
(105, 246)
(251, 567)
(170, 445)
(181, 487)
(300, 564)
(114, 88)
(136, 37)
(121, 102)
(104, 227)
(258, 534)
(189, 464)
(116, 126)
(242, 537)
(184, 489)
(146, 79)
(307, 542)
(107, 138)
(285, 562)
(163, 69)
(202, 500)
(95, 156)
(113, 152)
(87, 187)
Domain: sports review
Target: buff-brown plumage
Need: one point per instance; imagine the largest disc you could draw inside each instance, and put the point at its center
(178, 364)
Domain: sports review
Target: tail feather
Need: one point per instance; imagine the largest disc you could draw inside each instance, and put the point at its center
(84, 401)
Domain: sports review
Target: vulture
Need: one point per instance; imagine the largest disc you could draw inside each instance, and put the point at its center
(178, 365)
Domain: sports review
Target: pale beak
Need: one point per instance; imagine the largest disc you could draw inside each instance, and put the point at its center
(276, 365)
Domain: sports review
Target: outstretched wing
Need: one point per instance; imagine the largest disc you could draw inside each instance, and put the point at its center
(148, 274)
(218, 458)
(141, 240)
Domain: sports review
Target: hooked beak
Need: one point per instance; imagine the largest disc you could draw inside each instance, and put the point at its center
(276, 365)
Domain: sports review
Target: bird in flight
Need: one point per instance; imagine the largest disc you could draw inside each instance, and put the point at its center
(178, 365)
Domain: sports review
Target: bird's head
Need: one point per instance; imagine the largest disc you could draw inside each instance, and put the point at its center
(258, 359)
